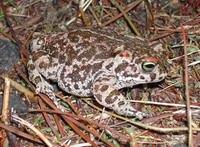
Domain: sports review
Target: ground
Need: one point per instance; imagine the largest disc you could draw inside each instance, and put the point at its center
(166, 104)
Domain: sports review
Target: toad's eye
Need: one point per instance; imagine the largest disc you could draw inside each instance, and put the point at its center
(148, 66)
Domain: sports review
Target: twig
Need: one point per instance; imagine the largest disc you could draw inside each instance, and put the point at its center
(158, 129)
(127, 18)
(37, 132)
(189, 116)
(20, 133)
(46, 117)
(63, 144)
(80, 118)
(10, 26)
(188, 45)
(121, 14)
(95, 16)
(6, 35)
(88, 130)
(24, 46)
(71, 124)
(85, 6)
(22, 7)
(81, 5)
(163, 104)
(21, 88)
(5, 103)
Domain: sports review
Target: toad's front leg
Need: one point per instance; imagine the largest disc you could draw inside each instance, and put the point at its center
(41, 84)
(111, 98)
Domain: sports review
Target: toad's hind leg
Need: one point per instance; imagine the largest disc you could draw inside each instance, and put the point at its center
(111, 98)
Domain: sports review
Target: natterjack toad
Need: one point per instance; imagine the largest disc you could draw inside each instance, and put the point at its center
(96, 62)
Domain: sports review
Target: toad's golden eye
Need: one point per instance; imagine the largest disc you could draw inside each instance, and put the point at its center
(148, 66)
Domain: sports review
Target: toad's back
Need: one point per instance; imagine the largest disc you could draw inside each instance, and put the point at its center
(96, 61)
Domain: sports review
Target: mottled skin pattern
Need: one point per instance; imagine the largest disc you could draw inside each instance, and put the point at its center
(96, 62)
